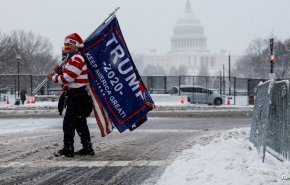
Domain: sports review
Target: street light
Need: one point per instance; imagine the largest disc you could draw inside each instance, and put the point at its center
(230, 74)
(18, 58)
(224, 83)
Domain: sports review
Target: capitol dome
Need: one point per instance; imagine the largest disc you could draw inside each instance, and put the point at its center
(188, 34)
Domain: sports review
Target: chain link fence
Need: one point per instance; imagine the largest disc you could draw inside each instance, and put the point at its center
(228, 87)
(13, 83)
(225, 85)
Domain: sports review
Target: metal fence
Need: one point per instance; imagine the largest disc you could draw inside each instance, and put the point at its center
(270, 128)
(155, 84)
(226, 86)
(14, 83)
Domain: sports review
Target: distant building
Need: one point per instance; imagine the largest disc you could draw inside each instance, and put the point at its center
(188, 54)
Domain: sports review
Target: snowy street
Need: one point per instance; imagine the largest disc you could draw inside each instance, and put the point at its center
(205, 145)
(141, 156)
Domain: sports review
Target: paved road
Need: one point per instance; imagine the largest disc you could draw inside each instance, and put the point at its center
(137, 157)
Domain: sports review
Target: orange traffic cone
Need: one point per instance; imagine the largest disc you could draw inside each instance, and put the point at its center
(28, 101)
(229, 102)
(7, 100)
(182, 101)
(32, 100)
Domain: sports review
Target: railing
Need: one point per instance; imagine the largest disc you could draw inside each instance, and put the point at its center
(270, 130)
(155, 84)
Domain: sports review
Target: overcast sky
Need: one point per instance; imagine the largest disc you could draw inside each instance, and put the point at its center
(148, 24)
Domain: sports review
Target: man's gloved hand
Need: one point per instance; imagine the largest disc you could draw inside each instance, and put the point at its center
(49, 75)
(61, 103)
(58, 70)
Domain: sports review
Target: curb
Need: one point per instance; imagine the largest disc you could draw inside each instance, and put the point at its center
(197, 113)
(202, 114)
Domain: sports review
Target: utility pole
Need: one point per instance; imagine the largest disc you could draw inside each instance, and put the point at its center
(220, 81)
(230, 74)
(17, 100)
(18, 58)
(224, 79)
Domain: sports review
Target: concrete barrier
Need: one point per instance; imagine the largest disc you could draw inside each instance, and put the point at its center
(42, 98)
(166, 99)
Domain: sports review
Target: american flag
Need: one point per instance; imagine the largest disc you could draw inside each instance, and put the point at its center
(104, 122)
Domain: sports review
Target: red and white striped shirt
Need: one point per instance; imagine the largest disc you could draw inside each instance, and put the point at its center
(75, 73)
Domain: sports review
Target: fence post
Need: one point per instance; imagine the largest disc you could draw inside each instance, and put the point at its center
(15, 83)
(47, 88)
(224, 81)
(206, 84)
(235, 90)
(165, 84)
(248, 87)
(193, 88)
(220, 77)
(31, 84)
(179, 81)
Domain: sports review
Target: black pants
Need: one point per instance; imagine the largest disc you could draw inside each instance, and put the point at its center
(73, 119)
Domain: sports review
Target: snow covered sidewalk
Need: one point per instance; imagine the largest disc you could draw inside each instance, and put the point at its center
(228, 159)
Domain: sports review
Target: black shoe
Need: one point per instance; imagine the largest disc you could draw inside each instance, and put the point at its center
(85, 151)
(65, 152)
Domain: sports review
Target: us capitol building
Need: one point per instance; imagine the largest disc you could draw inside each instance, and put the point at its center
(188, 54)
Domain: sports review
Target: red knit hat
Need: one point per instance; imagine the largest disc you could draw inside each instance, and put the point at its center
(74, 39)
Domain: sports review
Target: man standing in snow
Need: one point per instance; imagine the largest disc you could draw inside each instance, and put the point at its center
(78, 102)
(23, 96)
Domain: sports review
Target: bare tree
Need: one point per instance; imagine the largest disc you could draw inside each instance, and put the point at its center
(203, 70)
(6, 51)
(282, 62)
(36, 58)
(35, 51)
(172, 71)
(255, 62)
(182, 70)
(150, 70)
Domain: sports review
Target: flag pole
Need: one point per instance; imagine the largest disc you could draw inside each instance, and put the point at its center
(64, 61)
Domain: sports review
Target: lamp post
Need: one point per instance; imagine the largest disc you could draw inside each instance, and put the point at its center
(18, 58)
(224, 84)
(229, 74)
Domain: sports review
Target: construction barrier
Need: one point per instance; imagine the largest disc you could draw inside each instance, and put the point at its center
(270, 130)
(7, 100)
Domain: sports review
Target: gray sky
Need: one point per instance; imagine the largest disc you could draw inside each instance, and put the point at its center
(148, 24)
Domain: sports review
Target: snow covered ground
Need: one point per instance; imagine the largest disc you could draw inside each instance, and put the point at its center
(166, 99)
(159, 99)
(229, 159)
(221, 157)
(36, 105)
(11, 126)
(173, 105)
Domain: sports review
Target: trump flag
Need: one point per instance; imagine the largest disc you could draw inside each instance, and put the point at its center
(115, 83)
